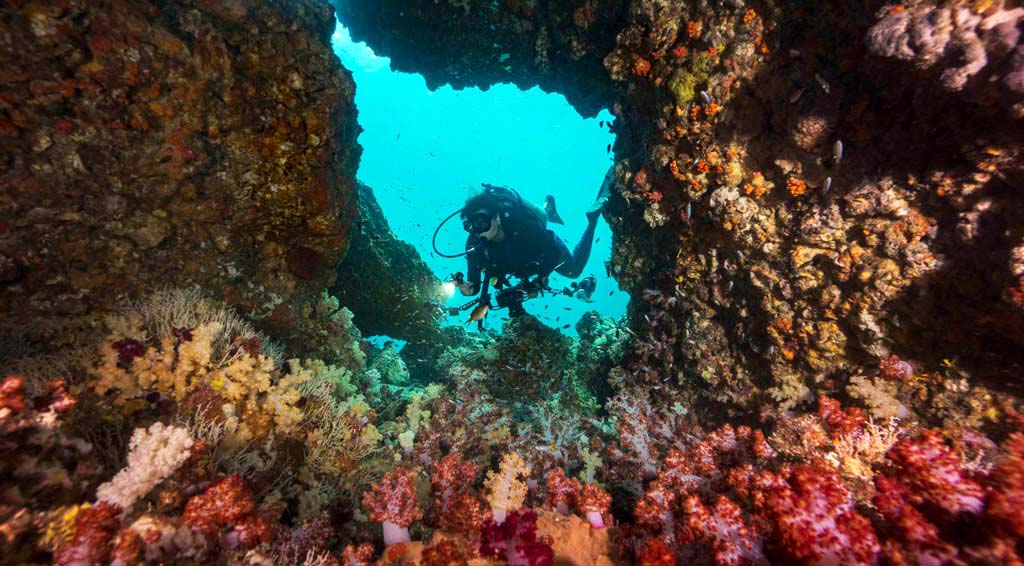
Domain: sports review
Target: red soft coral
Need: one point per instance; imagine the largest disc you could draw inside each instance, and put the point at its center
(561, 491)
(895, 368)
(935, 474)
(223, 504)
(93, 537)
(654, 552)
(393, 499)
(12, 393)
(361, 555)
(227, 510)
(594, 502)
(1006, 502)
(444, 553)
(917, 539)
(732, 540)
(655, 511)
(457, 508)
(840, 422)
(815, 520)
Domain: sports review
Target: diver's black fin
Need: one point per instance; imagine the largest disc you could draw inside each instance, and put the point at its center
(552, 211)
(602, 194)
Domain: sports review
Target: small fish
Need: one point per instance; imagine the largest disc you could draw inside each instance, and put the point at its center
(796, 96)
(552, 211)
(601, 123)
(610, 293)
(478, 313)
(837, 152)
(826, 185)
(566, 326)
(431, 154)
(597, 240)
(689, 212)
(705, 97)
(822, 83)
(398, 136)
(609, 149)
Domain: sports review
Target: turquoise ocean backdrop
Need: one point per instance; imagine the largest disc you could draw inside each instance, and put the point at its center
(424, 151)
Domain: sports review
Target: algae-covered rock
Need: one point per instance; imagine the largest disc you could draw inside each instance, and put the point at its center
(557, 45)
(384, 282)
(170, 144)
(601, 347)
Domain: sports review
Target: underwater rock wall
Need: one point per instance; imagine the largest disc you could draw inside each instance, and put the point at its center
(810, 197)
(385, 283)
(168, 144)
(820, 214)
(556, 45)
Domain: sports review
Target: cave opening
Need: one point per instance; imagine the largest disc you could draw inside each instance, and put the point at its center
(425, 151)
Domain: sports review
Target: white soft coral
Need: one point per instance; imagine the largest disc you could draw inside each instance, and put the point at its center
(154, 454)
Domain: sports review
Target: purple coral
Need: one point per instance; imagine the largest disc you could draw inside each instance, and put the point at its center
(515, 539)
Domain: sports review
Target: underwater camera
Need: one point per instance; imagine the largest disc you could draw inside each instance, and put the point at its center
(512, 297)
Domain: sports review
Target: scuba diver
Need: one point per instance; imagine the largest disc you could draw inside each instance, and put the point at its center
(508, 236)
(582, 290)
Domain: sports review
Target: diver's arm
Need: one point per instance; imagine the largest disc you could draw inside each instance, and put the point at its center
(473, 268)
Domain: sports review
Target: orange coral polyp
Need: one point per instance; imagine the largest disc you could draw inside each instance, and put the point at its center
(795, 186)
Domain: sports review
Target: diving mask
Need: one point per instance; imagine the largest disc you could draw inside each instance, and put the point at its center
(478, 222)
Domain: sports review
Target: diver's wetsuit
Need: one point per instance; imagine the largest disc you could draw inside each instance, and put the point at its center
(526, 250)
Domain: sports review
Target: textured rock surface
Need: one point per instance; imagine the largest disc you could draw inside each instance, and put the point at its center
(557, 45)
(385, 283)
(798, 204)
(170, 144)
(813, 212)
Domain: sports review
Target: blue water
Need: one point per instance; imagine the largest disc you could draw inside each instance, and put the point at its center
(424, 150)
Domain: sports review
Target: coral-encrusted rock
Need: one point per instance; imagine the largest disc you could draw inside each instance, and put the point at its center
(558, 46)
(385, 283)
(973, 47)
(169, 144)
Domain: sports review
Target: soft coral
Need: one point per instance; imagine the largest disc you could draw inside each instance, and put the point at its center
(515, 539)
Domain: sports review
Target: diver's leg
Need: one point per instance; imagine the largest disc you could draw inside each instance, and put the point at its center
(573, 266)
(602, 195)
